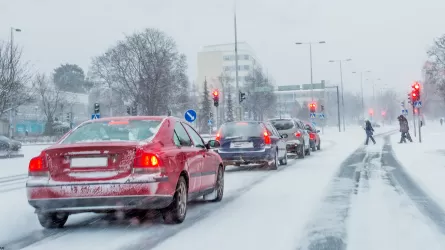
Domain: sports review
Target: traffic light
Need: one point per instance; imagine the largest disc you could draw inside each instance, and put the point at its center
(415, 92)
(216, 98)
(242, 97)
(312, 107)
(97, 108)
(383, 112)
(371, 112)
(134, 110)
(68, 117)
(410, 99)
(128, 110)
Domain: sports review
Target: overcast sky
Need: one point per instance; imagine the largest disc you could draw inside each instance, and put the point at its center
(388, 37)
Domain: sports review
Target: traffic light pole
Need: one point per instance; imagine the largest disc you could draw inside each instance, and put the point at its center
(420, 125)
(414, 120)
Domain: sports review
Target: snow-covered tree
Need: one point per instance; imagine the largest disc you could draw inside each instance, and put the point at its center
(205, 109)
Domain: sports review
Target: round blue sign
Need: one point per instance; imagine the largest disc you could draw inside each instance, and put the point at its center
(190, 115)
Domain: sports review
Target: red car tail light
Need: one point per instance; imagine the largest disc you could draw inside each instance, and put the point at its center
(37, 166)
(218, 137)
(298, 134)
(146, 161)
(312, 136)
(267, 140)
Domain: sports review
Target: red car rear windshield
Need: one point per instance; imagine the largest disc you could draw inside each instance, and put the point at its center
(118, 130)
(234, 129)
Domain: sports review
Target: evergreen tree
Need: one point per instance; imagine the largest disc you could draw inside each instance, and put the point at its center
(229, 113)
(206, 108)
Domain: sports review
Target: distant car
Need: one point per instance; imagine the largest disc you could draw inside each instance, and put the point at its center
(7, 144)
(314, 137)
(295, 134)
(248, 142)
(124, 163)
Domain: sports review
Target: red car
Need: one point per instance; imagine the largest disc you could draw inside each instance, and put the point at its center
(314, 137)
(124, 163)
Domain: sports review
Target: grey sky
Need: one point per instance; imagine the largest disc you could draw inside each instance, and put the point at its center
(389, 37)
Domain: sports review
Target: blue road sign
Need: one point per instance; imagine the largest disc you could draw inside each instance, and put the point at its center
(418, 104)
(312, 115)
(95, 116)
(404, 112)
(321, 115)
(209, 122)
(190, 115)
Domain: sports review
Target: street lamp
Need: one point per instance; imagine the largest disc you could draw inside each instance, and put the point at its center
(361, 87)
(342, 90)
(310, 61)
(11, 72)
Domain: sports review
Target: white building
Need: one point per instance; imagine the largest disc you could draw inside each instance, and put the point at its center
(215, 60)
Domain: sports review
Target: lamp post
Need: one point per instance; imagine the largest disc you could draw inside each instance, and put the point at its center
(310, 61)
(11, 76)
(342, 89)
(361, 88)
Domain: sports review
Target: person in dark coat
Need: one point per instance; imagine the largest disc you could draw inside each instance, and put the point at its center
(404, 129)
(369, 132)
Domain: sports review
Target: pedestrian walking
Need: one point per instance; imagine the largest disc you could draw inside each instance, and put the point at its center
(404, 129)
(369, 132)
(441, 121)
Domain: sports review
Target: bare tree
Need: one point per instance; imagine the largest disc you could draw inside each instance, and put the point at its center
(261, 100)
(434, 69)
(147, 69)
(51, 98)
(14, 79)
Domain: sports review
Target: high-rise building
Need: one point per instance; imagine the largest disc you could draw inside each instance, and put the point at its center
(217, 60)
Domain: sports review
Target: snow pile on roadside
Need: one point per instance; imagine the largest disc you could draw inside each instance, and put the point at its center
(425, 162)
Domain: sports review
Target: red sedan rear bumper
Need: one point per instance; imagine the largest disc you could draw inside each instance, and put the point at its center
(93, 197)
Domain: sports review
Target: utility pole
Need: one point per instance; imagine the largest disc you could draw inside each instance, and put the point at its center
(342, 98)
(342, 89)
(11, 77)
(238, 106)
(310, 61)
(338, 105)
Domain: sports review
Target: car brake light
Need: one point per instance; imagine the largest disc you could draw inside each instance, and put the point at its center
(312, 136)
(267, 138)
(37, 166)
(145, 160)
(298, 134)
(218, 137)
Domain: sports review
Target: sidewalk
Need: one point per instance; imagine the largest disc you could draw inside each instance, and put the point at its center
(425, 162)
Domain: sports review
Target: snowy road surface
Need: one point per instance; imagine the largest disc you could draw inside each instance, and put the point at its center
(346, 196)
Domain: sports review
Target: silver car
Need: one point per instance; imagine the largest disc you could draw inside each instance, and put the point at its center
(295, 134)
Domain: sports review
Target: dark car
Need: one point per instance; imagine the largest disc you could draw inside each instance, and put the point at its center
(314, 137)
(124, 163)
(251, 142)
(7, 144)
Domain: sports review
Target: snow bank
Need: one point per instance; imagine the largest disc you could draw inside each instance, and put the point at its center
(425, 162)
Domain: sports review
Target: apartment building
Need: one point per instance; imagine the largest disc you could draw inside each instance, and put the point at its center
(217, 60)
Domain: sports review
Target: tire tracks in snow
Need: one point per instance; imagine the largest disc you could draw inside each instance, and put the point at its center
(403, 183)
(13, 182)
(157, 232)
(328, 227)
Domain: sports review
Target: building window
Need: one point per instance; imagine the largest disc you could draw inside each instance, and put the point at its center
(246, 67)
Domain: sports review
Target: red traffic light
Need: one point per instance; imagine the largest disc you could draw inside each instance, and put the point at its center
(215, 93)
(383, 113)
(371, 111)
(312, 105)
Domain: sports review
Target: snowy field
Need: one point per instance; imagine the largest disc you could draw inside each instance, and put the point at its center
(346, 196)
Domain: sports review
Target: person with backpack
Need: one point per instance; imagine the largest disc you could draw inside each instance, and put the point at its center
(369, 132)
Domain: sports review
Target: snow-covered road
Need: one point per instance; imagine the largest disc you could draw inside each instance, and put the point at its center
(346, 196)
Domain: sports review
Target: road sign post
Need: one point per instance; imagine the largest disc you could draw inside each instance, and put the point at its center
(95, 116)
